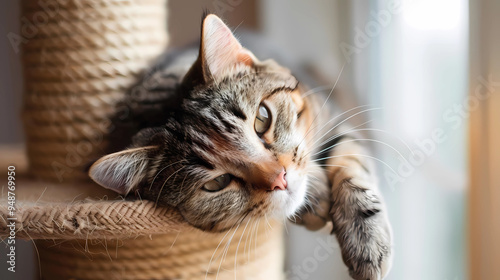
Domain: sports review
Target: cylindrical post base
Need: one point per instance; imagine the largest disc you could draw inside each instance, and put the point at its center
(256, 252)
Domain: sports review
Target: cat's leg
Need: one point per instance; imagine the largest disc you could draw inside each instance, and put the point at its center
(358, 214)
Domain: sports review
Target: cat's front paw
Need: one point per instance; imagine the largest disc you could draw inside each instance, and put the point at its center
(362, 230)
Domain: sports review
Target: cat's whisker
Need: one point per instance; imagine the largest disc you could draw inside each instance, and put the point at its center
(310, 193)
(324, 103)
(249, 235)
(158, 173)
(380, 130)
(307, 204)
(333, 165)
(163, 185)
(215, 251)
(237, 247)
(246, 240)
(361, 155)
(362, 139)
(228, 243)
(226, 249)
(284, 224)
(343, 121)
(256, 236)
(269, 224)
(236, 28)
(314, 177)
(312, 190)
(182, 184)
(351, 130)
(336, 117)
(311, 199)
(315, 90)
(139, 196)
(249, 238)
(356, 129)
(172, 245)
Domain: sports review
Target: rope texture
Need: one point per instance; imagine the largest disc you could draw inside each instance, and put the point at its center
(171, 256)
(91, 220)
(79, 59)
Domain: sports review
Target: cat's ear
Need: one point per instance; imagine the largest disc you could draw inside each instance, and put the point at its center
(220, 51)
(122, 171)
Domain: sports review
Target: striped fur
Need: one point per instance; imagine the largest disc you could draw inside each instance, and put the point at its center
(197, 123)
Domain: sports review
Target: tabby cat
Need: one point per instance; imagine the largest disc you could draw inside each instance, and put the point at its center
(225, 137)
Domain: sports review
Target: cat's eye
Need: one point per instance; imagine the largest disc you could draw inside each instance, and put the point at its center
(262, 120)
(218, 183)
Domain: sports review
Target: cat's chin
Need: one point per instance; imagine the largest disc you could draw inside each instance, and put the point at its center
(287, 202)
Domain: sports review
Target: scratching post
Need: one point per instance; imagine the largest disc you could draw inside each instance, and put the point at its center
(78, 63)
(168, 256)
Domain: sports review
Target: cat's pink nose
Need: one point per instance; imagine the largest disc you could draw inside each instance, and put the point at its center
(280, 182)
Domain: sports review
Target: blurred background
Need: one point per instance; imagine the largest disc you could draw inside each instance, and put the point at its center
(425, 64)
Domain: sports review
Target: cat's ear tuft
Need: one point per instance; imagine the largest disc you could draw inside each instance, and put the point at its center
(220, 51)
(122, 171)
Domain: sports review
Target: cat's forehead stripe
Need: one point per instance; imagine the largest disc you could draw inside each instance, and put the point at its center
(228, 125)
(283, 89)
(199, 160)
(236, 111)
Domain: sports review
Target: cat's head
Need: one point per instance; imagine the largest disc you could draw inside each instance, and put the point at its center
(234, 149)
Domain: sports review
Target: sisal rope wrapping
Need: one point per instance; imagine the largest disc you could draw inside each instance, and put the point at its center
(77, 67)
(156, 258)
(95, 220)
